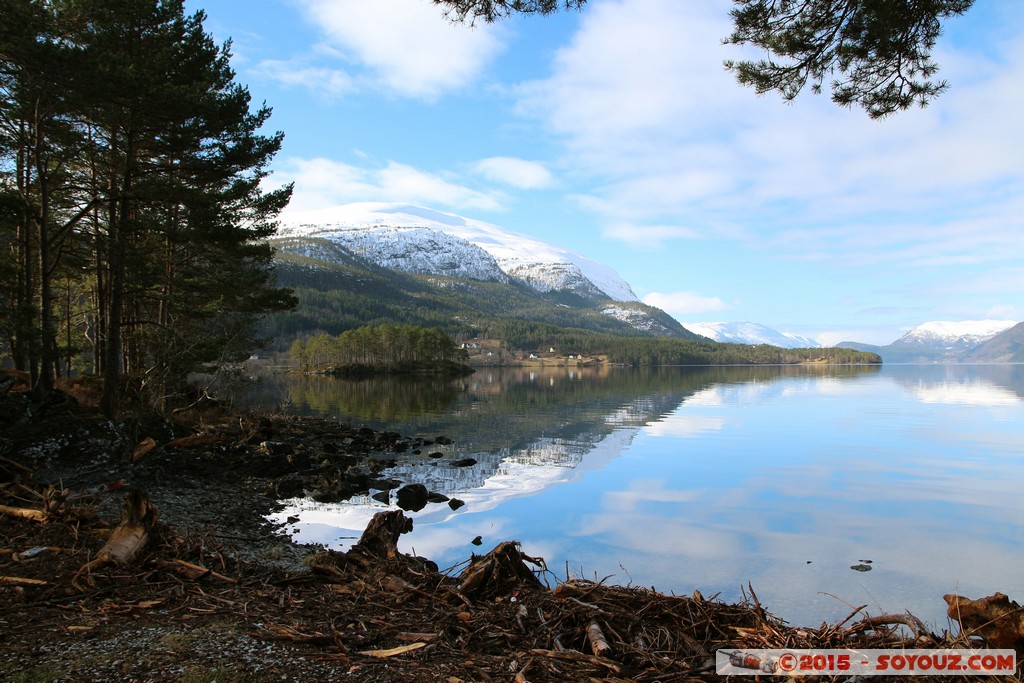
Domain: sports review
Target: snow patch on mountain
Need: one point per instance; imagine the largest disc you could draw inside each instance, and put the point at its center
(750, 333)
(368, 228)
(962, 333)
(637, 318)
(419, 250)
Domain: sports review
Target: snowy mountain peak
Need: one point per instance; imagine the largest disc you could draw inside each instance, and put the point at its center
(418, 250)
(750, 333)
(407, 237)
(960, 333)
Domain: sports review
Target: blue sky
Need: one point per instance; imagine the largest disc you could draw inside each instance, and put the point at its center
(616, 132)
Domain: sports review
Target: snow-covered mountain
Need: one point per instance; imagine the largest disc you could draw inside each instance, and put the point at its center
(419, 240)
(951, 335)
(420, 250)
(938, 341)
(750, 333)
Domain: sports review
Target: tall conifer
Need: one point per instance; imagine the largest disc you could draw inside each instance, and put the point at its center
(148, 161)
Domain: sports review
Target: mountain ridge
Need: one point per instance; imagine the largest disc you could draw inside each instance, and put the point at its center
(746, 332)
(339, 289)
(369, 227)
(950, 342)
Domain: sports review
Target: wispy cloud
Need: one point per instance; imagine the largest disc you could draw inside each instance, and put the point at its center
(407, 45)
(322, 183)
(519, 173)
(685, 303)
(643, 236)
(323, 82)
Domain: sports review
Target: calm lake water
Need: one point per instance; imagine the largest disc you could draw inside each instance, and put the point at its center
(712, 478)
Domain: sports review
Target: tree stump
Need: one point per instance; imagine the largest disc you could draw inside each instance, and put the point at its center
(500, 571)
(995, 618)
(129, 537)
(380, 539)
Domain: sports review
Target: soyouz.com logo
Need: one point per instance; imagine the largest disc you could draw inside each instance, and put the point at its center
(866, 662)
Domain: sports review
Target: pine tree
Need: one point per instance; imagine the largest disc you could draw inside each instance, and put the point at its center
(42, 205)
(187, 266)
(125, 143)
(877, 51)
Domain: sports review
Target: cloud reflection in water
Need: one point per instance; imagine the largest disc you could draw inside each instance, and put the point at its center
(781, 480)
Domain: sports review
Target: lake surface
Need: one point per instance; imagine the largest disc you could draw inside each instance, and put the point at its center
(711, 478)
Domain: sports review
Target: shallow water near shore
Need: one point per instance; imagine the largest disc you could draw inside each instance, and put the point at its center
(783, 478)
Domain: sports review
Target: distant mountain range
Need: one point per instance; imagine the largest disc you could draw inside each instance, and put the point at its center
(373, 262)
(367, 263)
(750, 333)
(967, 341)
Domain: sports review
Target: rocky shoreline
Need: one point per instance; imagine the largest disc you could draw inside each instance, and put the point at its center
(219, 471)
(219, 593)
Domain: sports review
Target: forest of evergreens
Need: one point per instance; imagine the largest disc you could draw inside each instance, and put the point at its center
(133, 218)
(385, 348)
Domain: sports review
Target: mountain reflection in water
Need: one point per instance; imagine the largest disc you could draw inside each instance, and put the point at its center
(710, 477)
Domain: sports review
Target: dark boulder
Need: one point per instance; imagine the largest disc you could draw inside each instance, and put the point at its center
(412, 497)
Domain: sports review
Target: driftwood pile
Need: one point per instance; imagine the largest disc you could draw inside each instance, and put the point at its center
(493, 619)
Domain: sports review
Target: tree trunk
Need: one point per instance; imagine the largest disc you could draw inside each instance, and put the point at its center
(43, 385)
(112, 343)
(117, 237)
(128, 539)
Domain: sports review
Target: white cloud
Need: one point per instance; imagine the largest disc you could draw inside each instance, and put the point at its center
(325, 83)
(666, 136)
(519, 173)
(684, 425)
(411, 48)
(321, 183)
(684, 303)
(1006, 312)
(644, 491)
(648, 236)
(633, 69)
(405, 181)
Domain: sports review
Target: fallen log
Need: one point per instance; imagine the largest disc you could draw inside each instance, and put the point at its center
(21, 581)
(143, 448)
(598, 643)
(909, 620)
(24, 513)
(129, 538)
(995, 618)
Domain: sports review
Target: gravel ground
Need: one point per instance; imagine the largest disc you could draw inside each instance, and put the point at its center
(146, 625)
